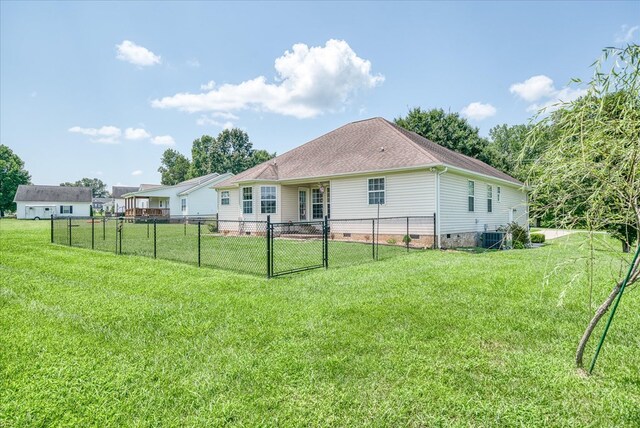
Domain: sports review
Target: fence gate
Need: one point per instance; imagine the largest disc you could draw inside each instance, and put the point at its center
(296, 246)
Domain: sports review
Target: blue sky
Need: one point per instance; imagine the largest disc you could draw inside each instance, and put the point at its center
(91, 89)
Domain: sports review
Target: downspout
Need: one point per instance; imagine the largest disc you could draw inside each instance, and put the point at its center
(438, 216)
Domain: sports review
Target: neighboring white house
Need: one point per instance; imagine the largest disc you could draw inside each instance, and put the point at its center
(373, 164)
(188, 198)
(116, 204)
(40, 202)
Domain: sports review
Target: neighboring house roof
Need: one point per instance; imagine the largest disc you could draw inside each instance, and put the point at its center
(365, 146)
(38, 193)
(118, 191)
(186, 186)
(149, 186)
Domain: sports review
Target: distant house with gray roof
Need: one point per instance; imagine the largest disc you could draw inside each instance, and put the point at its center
(193, 197)
(39, 202)
(373, 167)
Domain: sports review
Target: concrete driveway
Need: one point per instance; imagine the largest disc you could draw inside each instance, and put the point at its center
(554, 233)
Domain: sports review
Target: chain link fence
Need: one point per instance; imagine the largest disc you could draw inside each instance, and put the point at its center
(255, 247)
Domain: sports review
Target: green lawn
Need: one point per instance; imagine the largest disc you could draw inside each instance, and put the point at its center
(89, 338)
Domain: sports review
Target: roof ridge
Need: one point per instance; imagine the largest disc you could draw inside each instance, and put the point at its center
(423, 149)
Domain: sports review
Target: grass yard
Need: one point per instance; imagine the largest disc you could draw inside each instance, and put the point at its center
(433, 338)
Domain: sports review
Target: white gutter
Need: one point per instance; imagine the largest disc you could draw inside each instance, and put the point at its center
(438, 233)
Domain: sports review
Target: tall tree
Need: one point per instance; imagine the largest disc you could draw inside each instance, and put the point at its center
(98, 188)
(12, 174)
(506, 143)
(231, 151)
(591, 172)
(447, 129)
(174, 167)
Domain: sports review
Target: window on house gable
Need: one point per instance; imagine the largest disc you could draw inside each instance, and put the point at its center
(376, 191)
(247, 200)
(268, 199)
(471, 198)
(489, 198)
(183, 204)
(224, 197)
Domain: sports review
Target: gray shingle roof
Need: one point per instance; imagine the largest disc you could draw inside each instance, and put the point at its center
(367, 145)
(118, 191)
(38, 193)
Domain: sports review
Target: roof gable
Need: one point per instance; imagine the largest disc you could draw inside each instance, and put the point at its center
(364, 146)
(41, 193)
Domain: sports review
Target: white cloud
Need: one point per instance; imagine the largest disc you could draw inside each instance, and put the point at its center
(136, 134)
(626, 34)
(193, 63)
(208, 86)
(478, 111)
(541, 88)
(163, 140)
(212, 119)
(135, 54)
(310, 81)
(136, 172)
(533, 88)
(105, 134)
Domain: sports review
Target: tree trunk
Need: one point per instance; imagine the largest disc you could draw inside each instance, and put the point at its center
(604, 307)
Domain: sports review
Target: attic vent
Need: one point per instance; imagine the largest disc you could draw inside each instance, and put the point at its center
(382, 149)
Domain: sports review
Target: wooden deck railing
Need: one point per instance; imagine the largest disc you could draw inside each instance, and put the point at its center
(147, 212)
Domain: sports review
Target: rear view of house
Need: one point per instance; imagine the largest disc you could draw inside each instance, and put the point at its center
(40, 202)
(374, 167)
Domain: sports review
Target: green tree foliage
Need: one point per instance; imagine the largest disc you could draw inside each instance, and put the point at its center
(447, 129)
(174, 167)
(230, 151)
(98, 187)
(12, 174)
(506, 143)
(591, 173)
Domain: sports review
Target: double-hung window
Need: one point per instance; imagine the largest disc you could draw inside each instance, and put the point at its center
(268, 199)
(302, 205)
(489, 198)
(247, 200)
(472, 191)
(66, 209)
(183, 204)
(499, 196)
(376, 191)
(316, 204)
(224, 197)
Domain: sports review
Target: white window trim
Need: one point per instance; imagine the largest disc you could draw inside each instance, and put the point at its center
(311, 204)
(471, 196)
(489, 198)
(183, 207)
(222, 197)
(383, 191)
(276, 200)
(242, 200)
(306, 202)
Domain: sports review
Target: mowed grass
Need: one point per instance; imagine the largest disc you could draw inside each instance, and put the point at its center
(245, 253)
(89, 338)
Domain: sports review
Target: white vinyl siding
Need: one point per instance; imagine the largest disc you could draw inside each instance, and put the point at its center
(406, 194)
(233, 210)
(42, 210)
(454, 200)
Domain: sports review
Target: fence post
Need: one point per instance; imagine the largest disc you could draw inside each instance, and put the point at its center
(52, 228)
(435, 235)
(69, 231)
(147, 228)
(198, 243)
(373, 238)
(117, 227)
(154, 238)
(120, 240)
(325, 238)
(93, 233)
(185, 225)
(268, 246)
(407, 235)
(104, 229)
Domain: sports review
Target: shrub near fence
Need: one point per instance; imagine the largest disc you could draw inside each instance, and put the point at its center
(255, 247)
